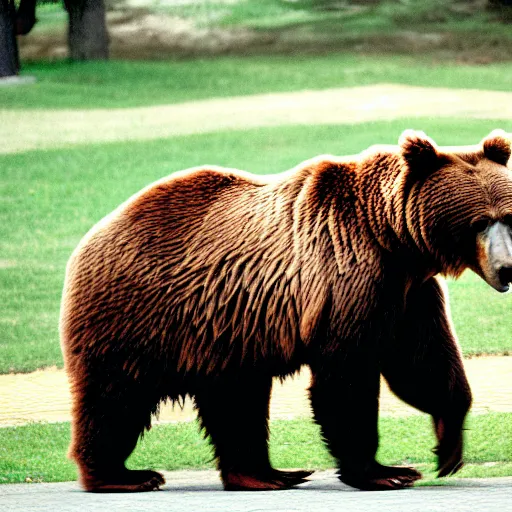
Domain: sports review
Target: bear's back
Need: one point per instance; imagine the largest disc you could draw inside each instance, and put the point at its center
(188, 254)
(166, 211)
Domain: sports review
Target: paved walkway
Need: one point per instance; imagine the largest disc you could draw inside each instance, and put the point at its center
(201, 491)
(22, 130)
(44, 395)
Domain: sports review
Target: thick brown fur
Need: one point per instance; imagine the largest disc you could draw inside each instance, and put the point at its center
(213, 281)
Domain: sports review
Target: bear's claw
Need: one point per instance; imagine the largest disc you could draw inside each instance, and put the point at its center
(296, 475)
(127, 481)
(450, 468)
(382, 478)
(275, 480)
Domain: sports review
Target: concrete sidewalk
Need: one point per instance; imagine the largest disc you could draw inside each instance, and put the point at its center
(198, 491)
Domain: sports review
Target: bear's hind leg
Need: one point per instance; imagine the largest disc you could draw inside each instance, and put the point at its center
(234, 413)
(107, 422)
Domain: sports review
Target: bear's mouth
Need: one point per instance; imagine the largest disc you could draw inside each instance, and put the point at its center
(505, 277)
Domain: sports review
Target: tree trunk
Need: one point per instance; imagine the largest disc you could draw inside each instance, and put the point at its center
(9, 60)
(25, 16)
(87, 35)
(503, 8)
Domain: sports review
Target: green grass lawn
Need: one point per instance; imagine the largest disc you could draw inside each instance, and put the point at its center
(37, 452)
(51, 198)
(339, 20)
(117, 84)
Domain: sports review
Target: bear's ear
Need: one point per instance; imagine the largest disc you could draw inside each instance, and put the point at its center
(497, 147)
(420, 152)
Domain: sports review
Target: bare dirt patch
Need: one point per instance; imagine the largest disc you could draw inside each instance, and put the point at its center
(137, 33)
(23, 130)
(7, 264)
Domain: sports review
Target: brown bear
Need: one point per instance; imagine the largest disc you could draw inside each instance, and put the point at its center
(211, 282)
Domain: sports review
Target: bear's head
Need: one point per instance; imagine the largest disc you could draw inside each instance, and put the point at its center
(458, 204)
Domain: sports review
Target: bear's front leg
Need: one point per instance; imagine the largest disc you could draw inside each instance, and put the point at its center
(423, 367)
(345, 398)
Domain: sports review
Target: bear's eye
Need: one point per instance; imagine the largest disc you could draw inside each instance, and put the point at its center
(480, 225)
(508, 220)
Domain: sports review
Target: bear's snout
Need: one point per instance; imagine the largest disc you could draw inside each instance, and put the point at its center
(495, 255)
